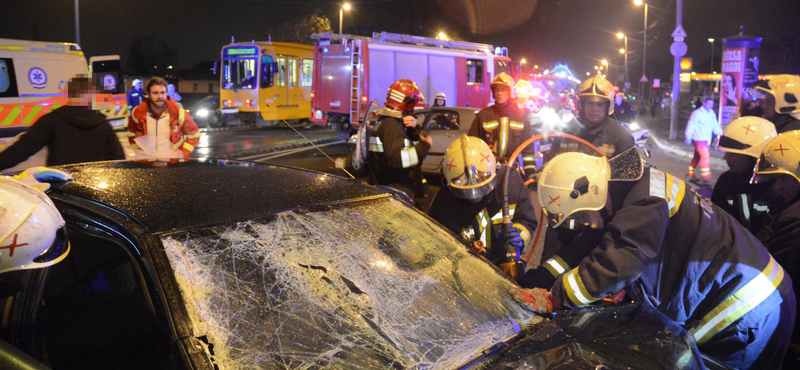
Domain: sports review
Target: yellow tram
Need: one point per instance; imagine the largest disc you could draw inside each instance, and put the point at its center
(262, 83)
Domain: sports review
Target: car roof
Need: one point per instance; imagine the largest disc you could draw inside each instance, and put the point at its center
(196, 193)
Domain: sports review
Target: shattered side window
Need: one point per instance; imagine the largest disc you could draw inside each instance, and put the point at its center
(365, 285)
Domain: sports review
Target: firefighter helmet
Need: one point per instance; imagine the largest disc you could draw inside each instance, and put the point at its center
(781, 155)
(786, 91)
(504, 80)
(747, 135)
(572, 182)
(403, 95)
(441, 95)
(598, 89)
(32, 231)
(470, 168)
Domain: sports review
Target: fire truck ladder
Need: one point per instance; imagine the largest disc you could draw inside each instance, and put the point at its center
(355, 80)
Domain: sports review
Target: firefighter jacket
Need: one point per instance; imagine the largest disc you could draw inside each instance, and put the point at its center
(504, 128)
(483, 220)
(785, 122)
(396, 155)
(183, 135)
(675, 250)
(739, 198)
(609, 136)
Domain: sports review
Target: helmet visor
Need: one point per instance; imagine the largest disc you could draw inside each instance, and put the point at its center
(553, 218)
(729, 143)
(475, 191)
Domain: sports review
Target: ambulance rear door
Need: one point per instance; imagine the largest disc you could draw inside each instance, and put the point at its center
(106, 72)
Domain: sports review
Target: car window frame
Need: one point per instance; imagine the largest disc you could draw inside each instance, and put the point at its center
(433, 113)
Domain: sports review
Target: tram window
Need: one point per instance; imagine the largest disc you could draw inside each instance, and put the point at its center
(308, 72)
(240, 73)
(281, 71)
(8, 82)
(474, 71)
(292, 72)
(267, 71)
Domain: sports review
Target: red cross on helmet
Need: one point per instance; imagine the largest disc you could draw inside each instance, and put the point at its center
(403, 95)
(470, 168)
(781, 155)
(572, 182)
(32, 231)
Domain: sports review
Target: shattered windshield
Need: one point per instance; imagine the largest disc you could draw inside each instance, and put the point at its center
(371, 284)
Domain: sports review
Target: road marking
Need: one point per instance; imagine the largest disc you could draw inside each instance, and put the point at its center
(283, 153)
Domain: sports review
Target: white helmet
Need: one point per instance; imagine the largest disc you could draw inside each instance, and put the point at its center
(573, 182)
(441, 95)
(470, 168)
(32, 233)
(781, 155)
(786, 91)
(747, 136)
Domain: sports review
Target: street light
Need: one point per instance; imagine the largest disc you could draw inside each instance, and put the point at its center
(711, 40)
(523, 61)
(644, 52)
(441, 35)
(622, 50)
(604, 62)
(345, 6)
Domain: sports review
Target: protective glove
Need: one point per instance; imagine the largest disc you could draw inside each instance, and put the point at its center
(513, 239)
(687, 141)
(35, 175)
(537, 300)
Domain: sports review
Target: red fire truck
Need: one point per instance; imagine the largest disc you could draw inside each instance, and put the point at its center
(351, 71)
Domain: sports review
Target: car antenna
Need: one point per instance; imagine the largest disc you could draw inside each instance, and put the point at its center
(309, 141)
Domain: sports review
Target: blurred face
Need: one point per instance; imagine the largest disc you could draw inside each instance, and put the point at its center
(784, 189)
(767, 103)
(618, 100)
(740, 164)
(708, 104)
(439, 101)
(501, 95)
(157, 96)
(137, 85)
(594, 110)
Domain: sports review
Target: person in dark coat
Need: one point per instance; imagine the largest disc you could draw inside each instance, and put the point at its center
(777, 169)
(136, 94)
(623, 111)
(73, 133)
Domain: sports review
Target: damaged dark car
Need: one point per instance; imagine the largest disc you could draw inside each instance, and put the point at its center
(232, 265)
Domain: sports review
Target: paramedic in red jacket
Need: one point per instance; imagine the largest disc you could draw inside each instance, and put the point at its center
(174, 132)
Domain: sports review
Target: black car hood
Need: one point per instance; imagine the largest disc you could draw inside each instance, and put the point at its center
(634, 336)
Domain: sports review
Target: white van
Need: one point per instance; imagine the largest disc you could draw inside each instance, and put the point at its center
(33, 82)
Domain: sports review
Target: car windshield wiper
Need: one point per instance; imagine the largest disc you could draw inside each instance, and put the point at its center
(494, 348)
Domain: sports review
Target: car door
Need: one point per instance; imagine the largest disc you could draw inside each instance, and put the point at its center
(92, 310)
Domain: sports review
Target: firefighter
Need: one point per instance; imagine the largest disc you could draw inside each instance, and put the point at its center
(396, 146)
(669, 247)
(594, 108)
(471, 203)
(32, 233)
(742, 141)
(780, 99)
(440, 100)
(777, 169)
(503, 125)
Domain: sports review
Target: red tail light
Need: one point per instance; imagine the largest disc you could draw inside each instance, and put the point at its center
(312, 95)
(364, 98)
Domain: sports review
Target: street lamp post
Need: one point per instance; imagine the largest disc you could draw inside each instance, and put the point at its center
(644, 52)
(711, 40)
(345, 6)
(620, 35)
(77, 25)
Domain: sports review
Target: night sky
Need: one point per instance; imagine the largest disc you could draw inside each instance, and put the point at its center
(577, 32)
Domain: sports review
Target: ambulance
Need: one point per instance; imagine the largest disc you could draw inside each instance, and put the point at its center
(33, 82)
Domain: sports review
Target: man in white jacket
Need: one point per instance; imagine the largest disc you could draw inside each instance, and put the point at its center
(700, 129)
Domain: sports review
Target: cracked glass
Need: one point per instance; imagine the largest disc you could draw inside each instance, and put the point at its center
(369, 284)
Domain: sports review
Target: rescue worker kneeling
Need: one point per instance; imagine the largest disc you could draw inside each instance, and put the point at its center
(669, 247)
(471, 206)
(397, 147)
